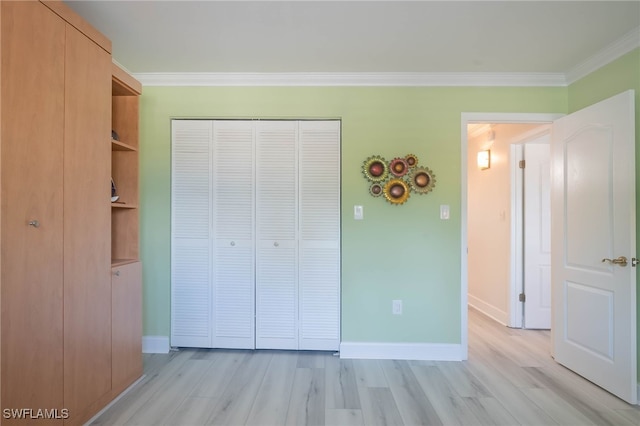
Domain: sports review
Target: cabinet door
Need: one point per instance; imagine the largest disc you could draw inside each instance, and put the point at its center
(32, 147)
(126, 325)
(87, 226)
(191, 253)
(234, 237)
(277, 224)
(319, 235)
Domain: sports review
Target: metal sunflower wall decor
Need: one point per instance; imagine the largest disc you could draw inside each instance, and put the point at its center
(397, 178)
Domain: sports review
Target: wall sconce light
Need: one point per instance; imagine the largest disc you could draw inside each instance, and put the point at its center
(484, 159)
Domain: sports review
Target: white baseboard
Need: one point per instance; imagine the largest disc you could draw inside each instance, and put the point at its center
(155, 344)
(489, 310)
(404, 351)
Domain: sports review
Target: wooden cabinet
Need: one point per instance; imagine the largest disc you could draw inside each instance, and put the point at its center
(126, 331)
(87, 269)
(126, 283)
(57, 301)
(32, 138)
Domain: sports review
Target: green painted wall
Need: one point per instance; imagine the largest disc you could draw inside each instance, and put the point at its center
(616, 77)
(397, 252)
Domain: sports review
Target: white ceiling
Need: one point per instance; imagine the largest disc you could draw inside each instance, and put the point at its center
(359, 36)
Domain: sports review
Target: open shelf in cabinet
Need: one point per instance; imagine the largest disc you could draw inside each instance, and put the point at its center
(125, 233)
(121, 146)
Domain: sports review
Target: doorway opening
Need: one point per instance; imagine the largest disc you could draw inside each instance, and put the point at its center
(524, 128)
(509, 224)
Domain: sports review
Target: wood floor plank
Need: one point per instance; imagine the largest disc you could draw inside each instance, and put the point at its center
(379, 408)
(592, 409)
(344, 417)
(631, 414)
(158, 374)
(194, 410)
(307, 403)
(509, 379)
(312, 359)
(413, 405)
(369, 374)
(462, 381)
(561, 411)
(450, 407)
(510, 396)
(162, 403)
(490, 412)
(341, 385)
(217, 377)
(271, 403)
(237, 399)
(494, 356)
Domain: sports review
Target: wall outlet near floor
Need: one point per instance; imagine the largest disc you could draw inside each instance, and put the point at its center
(396, 307)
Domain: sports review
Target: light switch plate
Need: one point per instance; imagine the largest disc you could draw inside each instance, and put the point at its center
(444, 212)
(358, 212)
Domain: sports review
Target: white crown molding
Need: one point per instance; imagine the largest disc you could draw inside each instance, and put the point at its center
(622, 46)
(352, 79)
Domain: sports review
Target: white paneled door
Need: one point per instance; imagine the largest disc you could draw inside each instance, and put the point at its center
(593, 244)
(537, 235)
(260, 264)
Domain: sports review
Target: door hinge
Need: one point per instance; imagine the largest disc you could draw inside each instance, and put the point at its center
(521, 164)
(634, 261)
(521, 297)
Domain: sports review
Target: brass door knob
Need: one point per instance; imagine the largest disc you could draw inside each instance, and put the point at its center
(622, 261)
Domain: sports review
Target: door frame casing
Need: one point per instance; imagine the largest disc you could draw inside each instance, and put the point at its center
(465, 119)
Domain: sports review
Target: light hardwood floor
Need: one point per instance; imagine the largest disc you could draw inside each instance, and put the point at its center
(509, 379)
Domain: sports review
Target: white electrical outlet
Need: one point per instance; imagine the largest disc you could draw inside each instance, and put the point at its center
(396, 307)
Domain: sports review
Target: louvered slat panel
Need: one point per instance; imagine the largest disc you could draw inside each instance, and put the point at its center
(234, 213)
(276, 180)
(190, 294)
(234, 296)
(276, 299)
(190, 247)
(233, 176)
(319, 216)
(320, 296)
(190, 178)
(276, 215)
(319, 180)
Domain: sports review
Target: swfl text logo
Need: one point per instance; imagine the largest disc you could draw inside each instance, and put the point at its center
(35, 413)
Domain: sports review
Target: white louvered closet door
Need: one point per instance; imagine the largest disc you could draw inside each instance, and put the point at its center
(190, 241)
(233, 196)
(319, 240)
(276, 215)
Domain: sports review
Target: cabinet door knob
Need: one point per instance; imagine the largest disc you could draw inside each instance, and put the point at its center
(117, 273)
(233, 243)
(34, 223)
(276, 244)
